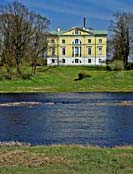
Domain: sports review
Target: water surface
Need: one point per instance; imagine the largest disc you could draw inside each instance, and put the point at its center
(104, 119)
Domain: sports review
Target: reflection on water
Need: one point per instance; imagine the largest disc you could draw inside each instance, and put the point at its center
(104, 119)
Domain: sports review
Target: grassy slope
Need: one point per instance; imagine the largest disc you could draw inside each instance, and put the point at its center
(65, 160)
(61, 79)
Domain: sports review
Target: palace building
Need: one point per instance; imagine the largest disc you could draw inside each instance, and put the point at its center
(77, 46)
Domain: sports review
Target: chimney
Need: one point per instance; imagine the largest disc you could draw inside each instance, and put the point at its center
(58, 29)
(84, 23)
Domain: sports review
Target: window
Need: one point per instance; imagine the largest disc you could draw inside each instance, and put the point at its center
(53, 60)
(63, 60)
(100, 50)
(76, 31)
(53, 51)
(89, 60)
(63, 40)
(100, 40)
(76, 41)
(89, 50)
(76, 51)
(72, 51)
(63, 51)
(76, 60)
(100, 60)
(89, 40)
(52, 41)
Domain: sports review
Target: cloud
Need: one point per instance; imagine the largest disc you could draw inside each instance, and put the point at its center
(94, 9)
(69, 7)
(111, 5)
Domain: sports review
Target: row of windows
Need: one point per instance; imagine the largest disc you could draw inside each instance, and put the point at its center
(99, 41)
(76, 51)
(77, 61)
(77, 41)
(63, 61)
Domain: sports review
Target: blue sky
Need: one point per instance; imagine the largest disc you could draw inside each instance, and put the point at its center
(69, 13)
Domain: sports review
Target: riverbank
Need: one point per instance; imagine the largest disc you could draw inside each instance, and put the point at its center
(65, 160)
(65, 79)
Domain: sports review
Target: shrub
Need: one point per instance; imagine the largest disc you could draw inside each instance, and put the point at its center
(26, 76)
(116, 65)
(1, 64)
(7, 77)
(41, 62)
(108, 68)
(83, 75)
(1, 77)
(130, 66)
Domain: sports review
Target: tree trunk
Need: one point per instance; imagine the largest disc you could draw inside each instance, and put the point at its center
(33, 69)
(18, 69)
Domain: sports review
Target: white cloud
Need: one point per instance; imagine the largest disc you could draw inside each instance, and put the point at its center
(98, 9)
(112, 5)
(70, 8)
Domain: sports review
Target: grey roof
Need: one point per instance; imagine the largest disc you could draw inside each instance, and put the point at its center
(99, 32)
(95, 32)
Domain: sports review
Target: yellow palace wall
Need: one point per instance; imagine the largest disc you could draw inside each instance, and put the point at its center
(55, 41)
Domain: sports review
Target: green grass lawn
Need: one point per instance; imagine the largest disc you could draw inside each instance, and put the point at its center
(61, 79)
(66, 160)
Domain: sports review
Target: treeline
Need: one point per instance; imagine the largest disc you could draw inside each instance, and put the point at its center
(22, 37)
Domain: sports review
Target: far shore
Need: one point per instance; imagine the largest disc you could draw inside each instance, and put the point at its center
(64, 79)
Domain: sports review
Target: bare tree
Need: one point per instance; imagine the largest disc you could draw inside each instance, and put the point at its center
(6, 46)
(19, 26)
(39, 40)
(121, 36)
(20, 29)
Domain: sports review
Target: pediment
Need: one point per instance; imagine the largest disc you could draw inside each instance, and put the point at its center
(77, 31)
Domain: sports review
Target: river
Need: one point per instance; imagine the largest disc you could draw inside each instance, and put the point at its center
(99, 119)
